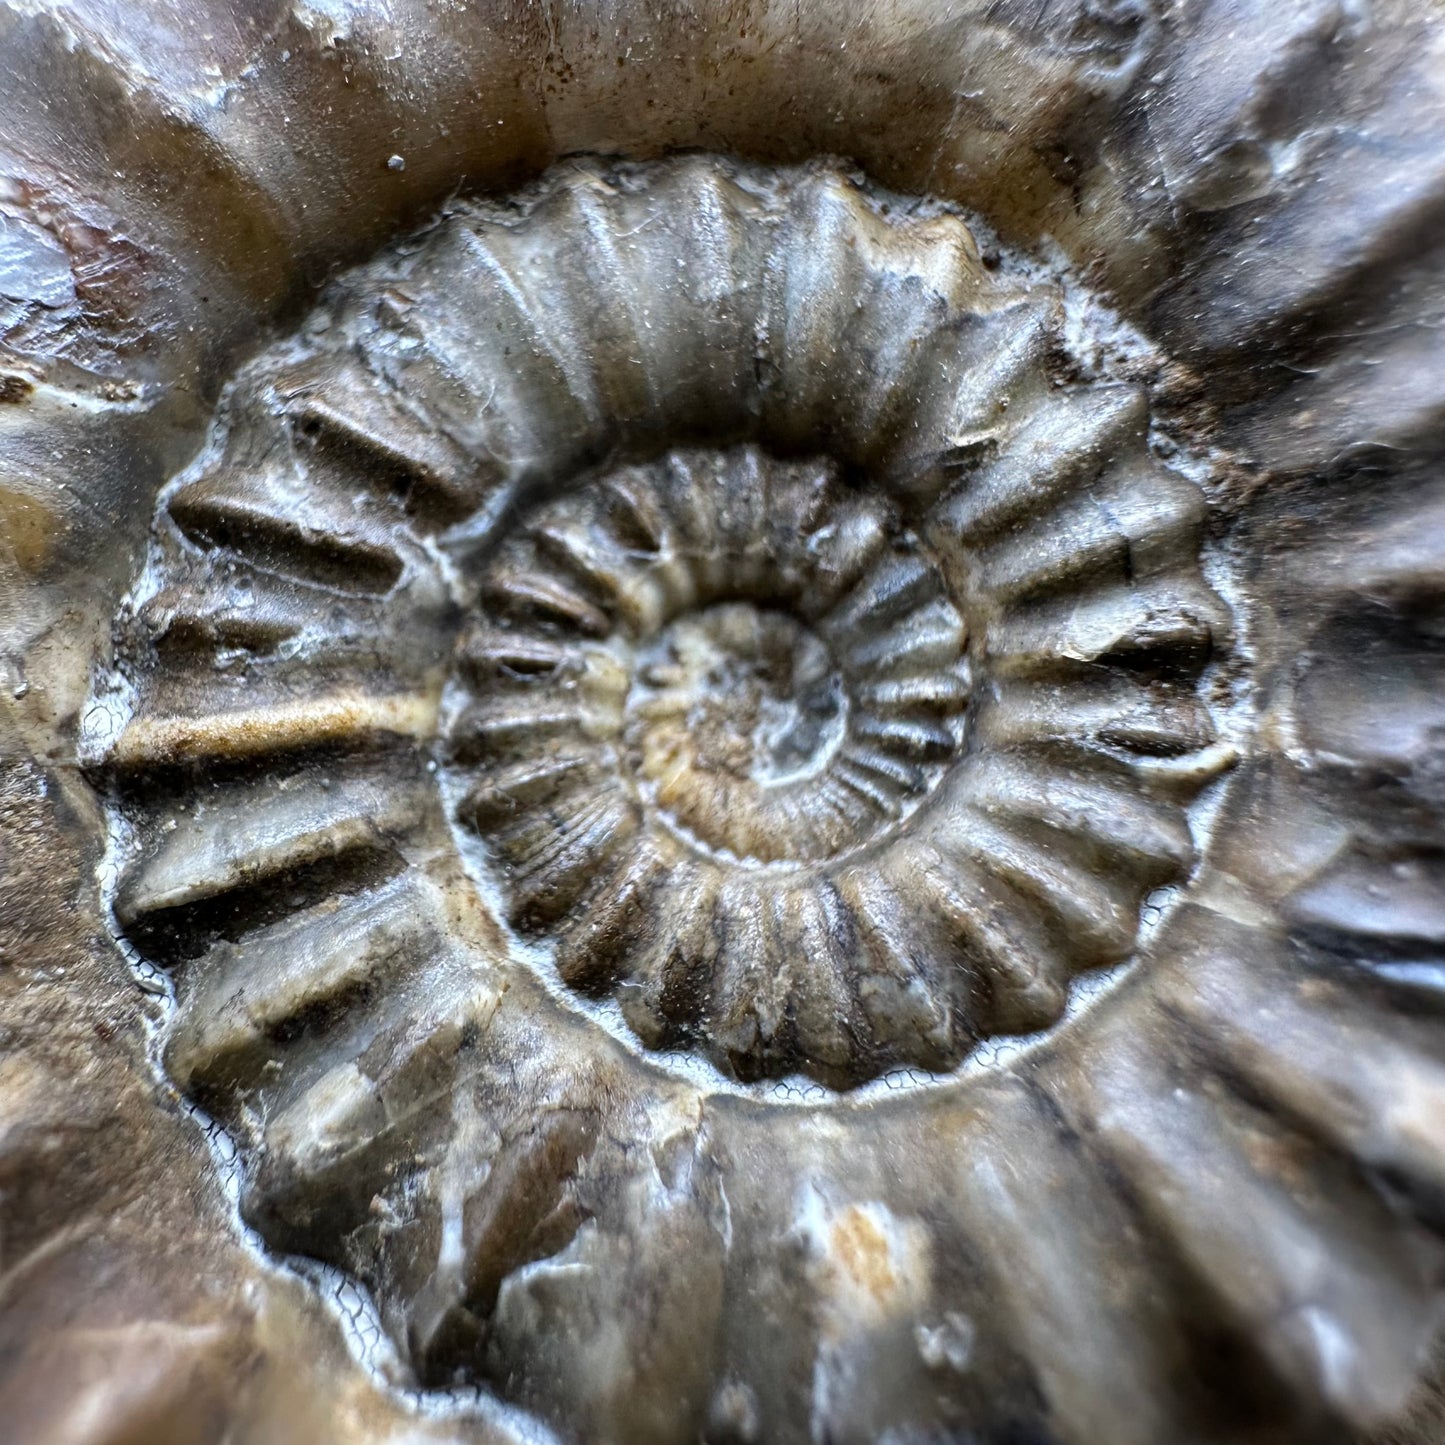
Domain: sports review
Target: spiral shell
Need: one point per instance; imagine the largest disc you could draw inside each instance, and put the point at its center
(710, 713)
(767, 798)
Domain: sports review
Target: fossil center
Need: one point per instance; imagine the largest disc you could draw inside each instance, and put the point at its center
(734, 712)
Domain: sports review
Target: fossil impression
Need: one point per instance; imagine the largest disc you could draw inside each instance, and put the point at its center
(769, 772)
(818, 765)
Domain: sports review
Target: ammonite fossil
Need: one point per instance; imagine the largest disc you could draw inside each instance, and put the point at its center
(736, 734)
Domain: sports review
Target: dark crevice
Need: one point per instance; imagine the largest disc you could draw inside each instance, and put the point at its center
(175, 935)
(280, 545)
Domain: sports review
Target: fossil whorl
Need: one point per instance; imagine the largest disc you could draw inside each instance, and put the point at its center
(514, 829)
(709, 698)
(822, 765)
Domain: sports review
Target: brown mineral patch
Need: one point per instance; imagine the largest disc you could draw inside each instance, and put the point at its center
(862, 1250)
(27, 526)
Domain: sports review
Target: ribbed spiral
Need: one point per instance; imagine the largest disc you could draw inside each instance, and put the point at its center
(825, 658)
